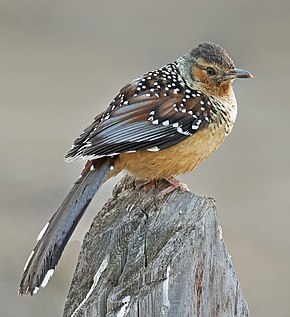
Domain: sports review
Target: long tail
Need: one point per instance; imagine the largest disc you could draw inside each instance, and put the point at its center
(56, 233)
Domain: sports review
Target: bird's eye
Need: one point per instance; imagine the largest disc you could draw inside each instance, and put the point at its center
(210, 71)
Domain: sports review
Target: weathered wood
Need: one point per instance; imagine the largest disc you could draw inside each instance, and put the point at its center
(145, 258)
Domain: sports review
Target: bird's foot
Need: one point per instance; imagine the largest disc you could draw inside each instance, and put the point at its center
(174, 184)
(149, 185)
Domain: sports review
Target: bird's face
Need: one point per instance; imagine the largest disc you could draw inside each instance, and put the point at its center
(215, 79)
(209, 68)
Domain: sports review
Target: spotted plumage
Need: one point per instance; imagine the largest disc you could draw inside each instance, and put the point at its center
(158, 126)
(157, 110)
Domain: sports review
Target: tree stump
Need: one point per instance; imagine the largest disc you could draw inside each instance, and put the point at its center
(145, 257)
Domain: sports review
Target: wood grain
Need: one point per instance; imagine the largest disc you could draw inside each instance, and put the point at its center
(142, 257)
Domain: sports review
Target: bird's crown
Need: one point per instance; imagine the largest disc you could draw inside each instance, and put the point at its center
(211, 53)
(209, 68)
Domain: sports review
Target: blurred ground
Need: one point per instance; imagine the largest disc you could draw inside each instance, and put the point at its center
(60, 64)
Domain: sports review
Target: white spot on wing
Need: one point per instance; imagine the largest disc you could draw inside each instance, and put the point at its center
(132, 151)
(154, 149)
(42, 232)
(179, 130)
(28, 260)
(88, 144)
(35, 290)
(47, 277)
(166, 122)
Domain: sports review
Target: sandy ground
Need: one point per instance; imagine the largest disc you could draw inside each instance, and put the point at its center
(61, 62)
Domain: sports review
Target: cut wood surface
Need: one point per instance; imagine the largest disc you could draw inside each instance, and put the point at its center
(148, 258)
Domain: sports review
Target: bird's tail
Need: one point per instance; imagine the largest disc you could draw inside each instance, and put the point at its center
(54, 236)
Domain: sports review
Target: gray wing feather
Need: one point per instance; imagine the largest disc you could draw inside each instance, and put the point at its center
(49, 248)
(140, 120)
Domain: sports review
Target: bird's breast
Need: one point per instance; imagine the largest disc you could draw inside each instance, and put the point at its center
(178, 159)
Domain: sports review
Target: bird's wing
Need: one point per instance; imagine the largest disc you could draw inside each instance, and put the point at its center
(145, 116)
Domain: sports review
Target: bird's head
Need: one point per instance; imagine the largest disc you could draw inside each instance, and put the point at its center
(209, 68)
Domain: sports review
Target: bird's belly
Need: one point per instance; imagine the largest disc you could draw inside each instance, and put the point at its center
(176, 160)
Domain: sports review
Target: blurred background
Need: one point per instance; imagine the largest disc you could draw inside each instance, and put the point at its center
(62, 61)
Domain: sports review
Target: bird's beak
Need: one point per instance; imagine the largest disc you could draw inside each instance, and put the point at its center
(240, 73)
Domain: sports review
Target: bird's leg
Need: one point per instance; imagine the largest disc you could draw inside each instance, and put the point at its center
(149, 185)
(174, 184)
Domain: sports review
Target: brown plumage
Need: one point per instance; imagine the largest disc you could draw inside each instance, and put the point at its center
(184, 156)
(159, 126)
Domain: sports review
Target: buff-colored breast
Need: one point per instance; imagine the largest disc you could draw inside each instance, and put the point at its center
(176, 160)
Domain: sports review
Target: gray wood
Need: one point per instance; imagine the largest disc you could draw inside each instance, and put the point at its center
(146, 258)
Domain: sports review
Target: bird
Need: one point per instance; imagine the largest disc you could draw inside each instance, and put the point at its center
(159, 126)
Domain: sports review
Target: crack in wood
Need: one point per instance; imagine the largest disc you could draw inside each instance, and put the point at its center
(170, 259)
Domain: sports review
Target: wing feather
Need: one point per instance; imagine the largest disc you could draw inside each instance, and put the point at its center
(148, 113)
